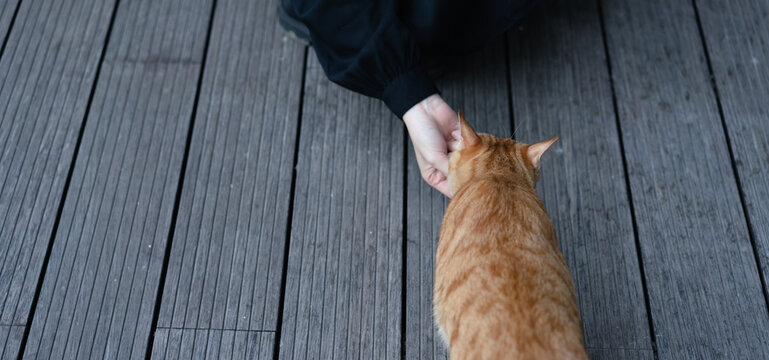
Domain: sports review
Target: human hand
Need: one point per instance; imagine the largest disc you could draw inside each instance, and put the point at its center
(434, 131)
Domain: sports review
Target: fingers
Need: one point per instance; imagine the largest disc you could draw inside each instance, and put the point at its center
(443, 187)
(453, 142)
(437, 180)
(446, 119)
(441, 162)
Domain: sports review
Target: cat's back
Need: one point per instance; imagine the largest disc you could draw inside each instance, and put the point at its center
(502, 288)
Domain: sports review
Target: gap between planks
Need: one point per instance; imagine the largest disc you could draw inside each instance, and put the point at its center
(180, 186)
(60, 210)
(626, 176)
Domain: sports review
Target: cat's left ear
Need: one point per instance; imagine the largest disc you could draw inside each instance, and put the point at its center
(535, 151)
(468, 137)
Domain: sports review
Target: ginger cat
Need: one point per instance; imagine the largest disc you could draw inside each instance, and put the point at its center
(502, 288)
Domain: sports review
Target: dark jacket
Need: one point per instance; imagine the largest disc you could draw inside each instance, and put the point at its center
(382, 48)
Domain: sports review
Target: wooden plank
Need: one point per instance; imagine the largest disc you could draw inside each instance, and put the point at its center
(201, 344)
(159, 343)
(619, 354)
(101, 283)
(260, 345)
(737, 38)
(187, 344)
(701, 274)
(174, 344)
(266, 346)
(10, 340)
(225, 349)
(478, 87)
(560, 86)
(343, 283)
(214, 345)
(226, 259)
(4, 332)
(239, 345)
(46, 74)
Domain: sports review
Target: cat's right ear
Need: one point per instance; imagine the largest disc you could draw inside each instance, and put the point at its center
(468, 137)
(535, 151)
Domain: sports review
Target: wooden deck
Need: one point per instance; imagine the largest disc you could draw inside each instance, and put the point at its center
(178, 179)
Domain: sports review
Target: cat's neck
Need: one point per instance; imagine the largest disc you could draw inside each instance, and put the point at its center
(507, 181)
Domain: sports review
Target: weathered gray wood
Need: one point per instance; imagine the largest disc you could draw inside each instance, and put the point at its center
(174, 344)
(560, 86)
(213, 344)
(159, 343)
(7, 8)
(704, 289)
(737, 37)
(187, 344)
(46, 74)
(101, 283)
(619, 354)
(225, 349)
(201, 344)
(478, 87)
(343, 285)
(266, 346)
(4, 331)
(239, 345)
(226, 259)
(10, 340)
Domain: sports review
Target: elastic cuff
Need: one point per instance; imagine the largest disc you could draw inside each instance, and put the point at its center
(407, 90)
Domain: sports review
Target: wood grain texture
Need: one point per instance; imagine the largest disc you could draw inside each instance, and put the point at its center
(226, 258)
(477, 86)
(701, 274)
(200, 344)
(7, 8)
(343, 286)
(560, 86)
(10, 340)
(46, 74)
(101, 283)
(737, 38)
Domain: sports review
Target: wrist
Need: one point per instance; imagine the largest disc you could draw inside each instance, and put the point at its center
(421, 110)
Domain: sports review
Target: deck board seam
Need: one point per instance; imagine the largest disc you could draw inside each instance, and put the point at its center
(254, 127)
(214, 329)
(404, 243)
(180, 184)
(59, 271)
(10, 141)
(15, 218)
(289, 227)
(730, 149)
(615, 109)
(65, 190)
(274, 63)
(506, 40)
(241, 201)
(10, 27)
(152, 190)
(125, 203)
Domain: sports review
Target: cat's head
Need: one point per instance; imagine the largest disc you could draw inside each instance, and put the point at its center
(479, 155)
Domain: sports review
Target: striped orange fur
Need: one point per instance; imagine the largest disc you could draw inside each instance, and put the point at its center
(502, 287)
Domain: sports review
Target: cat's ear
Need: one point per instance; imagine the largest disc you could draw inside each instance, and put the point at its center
(467, 137)
(535, 151)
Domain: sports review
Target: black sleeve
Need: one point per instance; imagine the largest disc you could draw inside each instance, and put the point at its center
(363, 46)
